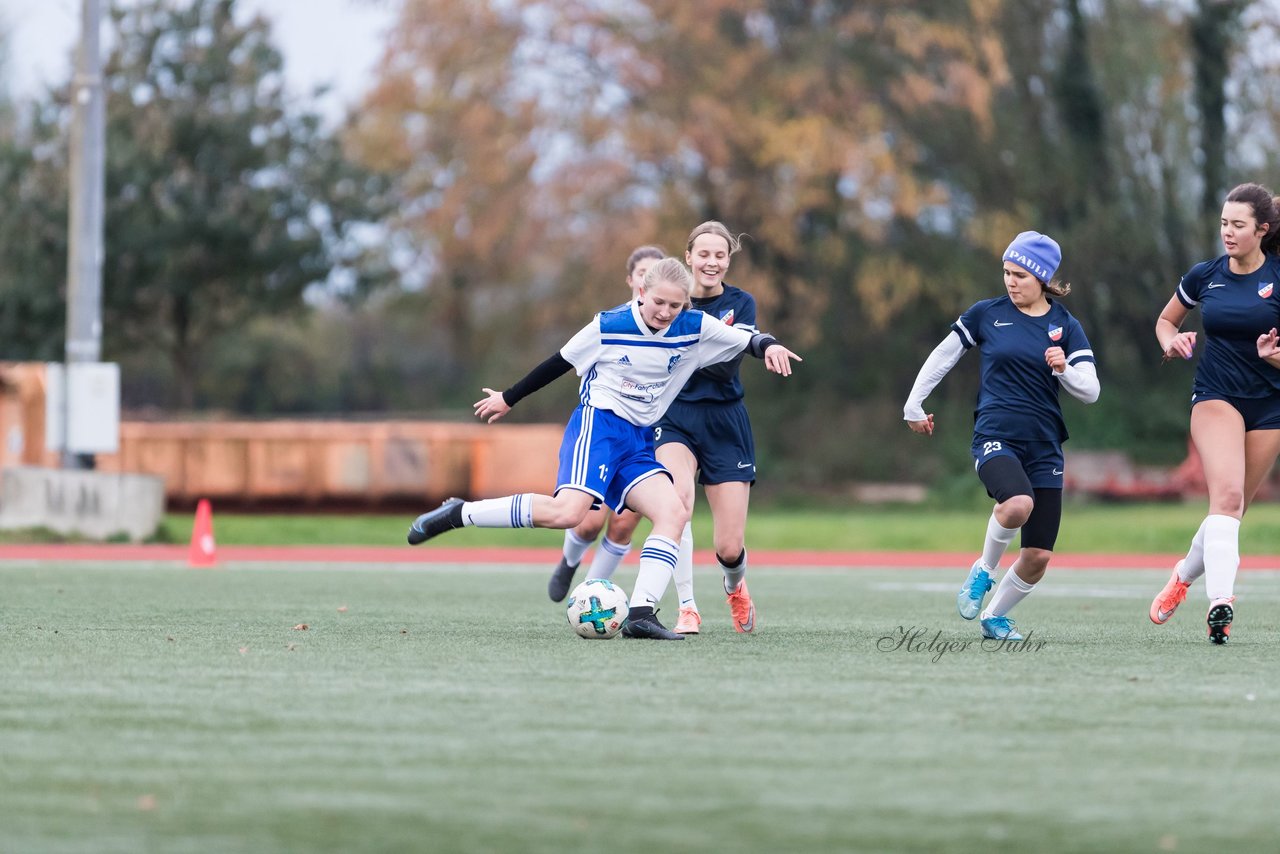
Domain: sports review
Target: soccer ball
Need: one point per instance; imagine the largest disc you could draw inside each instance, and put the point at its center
(597, 608)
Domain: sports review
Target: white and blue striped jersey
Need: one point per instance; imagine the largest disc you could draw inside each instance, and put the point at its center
(1018, 397)
(1236, 310)
(635, 372)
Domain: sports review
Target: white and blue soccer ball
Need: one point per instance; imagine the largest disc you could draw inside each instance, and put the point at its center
(597, 608)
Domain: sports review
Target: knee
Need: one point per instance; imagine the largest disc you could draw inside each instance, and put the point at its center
(1035, 560)
(564, 515)
(589, 527)
(673, 517)
(622, 527)
(1014, 512)
(729, 543)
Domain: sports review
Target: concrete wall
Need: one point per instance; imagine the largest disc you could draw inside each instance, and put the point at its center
(93, 504)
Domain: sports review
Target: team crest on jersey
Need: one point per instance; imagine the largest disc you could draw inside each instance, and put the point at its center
(1264, 289)
(727, 318)
(1055, 333)
(671, 363)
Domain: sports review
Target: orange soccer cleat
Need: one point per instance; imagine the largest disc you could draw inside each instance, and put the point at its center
(689, 621)
(1168, 600)
(742, 609)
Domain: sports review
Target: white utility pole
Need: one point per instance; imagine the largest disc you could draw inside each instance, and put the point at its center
(84, 260)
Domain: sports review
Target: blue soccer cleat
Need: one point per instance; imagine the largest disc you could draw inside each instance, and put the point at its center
(974, 590)
(1000, 628)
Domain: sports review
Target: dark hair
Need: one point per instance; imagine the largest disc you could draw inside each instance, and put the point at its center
(1266, 209)
(640, 253)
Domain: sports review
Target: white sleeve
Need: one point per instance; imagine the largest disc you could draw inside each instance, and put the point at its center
(940, 361)
(583, 349)
(1081, 379)
(720, 343)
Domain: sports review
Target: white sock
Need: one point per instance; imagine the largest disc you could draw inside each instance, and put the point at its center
(997, 542)
(733, 575)
(684, 570)
(574, 547)
(1193, 564)
(514, 511)
(657, 559)
(1221, 555)
(607, 558)
(1009, 592)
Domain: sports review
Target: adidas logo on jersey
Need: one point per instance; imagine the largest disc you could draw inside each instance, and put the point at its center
(624, 361)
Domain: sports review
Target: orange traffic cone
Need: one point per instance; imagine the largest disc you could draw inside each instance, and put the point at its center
(202, 545)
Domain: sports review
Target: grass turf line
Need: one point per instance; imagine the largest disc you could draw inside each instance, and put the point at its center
(1151, 528)
(178, 710)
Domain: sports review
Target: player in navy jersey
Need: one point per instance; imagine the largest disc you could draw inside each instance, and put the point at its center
(706, 435)
(1030, 346)
(1235, 399)
(633, 361)
(616, 544)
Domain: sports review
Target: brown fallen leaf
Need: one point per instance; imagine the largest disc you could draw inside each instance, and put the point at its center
(301, 627)
(291, 646)
(342, 609)
(243, 650)
(146, 803)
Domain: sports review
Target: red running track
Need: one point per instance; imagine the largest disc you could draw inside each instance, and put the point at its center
(57, 553)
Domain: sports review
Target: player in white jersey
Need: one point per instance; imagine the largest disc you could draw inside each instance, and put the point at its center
(633, 361)
(616, 544)
(1235, 401)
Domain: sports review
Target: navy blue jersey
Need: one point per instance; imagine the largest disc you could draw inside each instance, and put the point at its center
(1018, 397)
(1236, 309)
(720, 383)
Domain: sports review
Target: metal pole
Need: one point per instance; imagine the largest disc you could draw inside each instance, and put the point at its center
(84, 259)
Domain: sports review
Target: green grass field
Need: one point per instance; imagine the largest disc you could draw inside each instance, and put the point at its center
(1085, 528)
(173, 710)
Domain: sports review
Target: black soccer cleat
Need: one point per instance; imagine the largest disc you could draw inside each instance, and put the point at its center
(1219, 619)
(446, 517)
(561, 579)
(648, 628)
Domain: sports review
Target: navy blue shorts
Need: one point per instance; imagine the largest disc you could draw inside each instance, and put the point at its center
(1042, 461)
(718, 434)
(1259, 413)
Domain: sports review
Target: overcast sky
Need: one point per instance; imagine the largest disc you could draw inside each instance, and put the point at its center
(324, 41)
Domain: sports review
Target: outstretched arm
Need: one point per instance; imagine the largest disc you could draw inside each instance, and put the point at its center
(498, 403)
(940, 362)
(776, 357)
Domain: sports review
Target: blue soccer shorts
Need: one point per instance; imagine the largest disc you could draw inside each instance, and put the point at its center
(605, 455)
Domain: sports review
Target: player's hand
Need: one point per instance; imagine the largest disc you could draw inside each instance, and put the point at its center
(1181, 345)
(924, 427)
(493, 407)
(1269, 344)
(778, 359)
(1056, 359)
